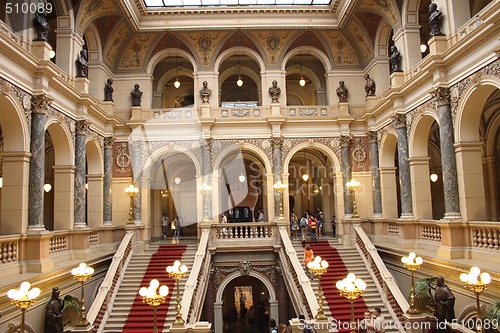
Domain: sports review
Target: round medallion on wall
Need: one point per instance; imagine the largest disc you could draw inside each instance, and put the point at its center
(358, 154)
(266, 144)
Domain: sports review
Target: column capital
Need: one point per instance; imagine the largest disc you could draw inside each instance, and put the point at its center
(40, 104)
(82, 127)
(372, 136)
(108, 142)
(345, 140)
(399, 120)
(276, 142)
(442, 95)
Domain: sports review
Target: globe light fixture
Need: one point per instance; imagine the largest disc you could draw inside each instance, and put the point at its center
(239, 83)
(82, 273)
(280, 187)
(351, 288)
(353, 185)
(476, 282)
(177, 271)
(177, 180)
(177, 84)
(423, 47)
(205, 190)
(132, 191)
(434, 177)
(302, 82)
(47, 187)
(23, 298)
(242, 178)
(319, 267)
(52, 54)
(412, 263)
(154, 299)
(305, 177)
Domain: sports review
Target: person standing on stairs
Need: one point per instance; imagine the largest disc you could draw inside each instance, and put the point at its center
(378, 321)
(164, 225)
(308, 255)
(177, 224)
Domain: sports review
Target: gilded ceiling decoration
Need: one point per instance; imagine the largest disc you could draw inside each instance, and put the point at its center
(93, 9)
(309, 38)
(135, 51)
(341, 48)
(205, 44)
(273, 43)
(105, 26)
(361, 39)
(239, 39)
(118, 35)
(387, 8)
(170, 41)
(371, 23)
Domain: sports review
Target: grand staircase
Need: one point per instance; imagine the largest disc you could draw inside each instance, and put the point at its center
(128, 314)
(342, 261)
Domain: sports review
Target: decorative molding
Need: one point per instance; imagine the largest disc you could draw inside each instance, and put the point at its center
(358, 152)
(122, 158)
(245, 267)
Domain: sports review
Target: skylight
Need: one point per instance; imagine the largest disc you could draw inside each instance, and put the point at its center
(223, 3)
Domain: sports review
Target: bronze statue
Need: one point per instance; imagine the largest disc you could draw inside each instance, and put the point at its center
(41, 27)
(395, 60)
(53, 313)
(342, 92)
(444, 302)
(274, 91)
(370, 86)
(434, 20)
(108, 90)
(205, 92)
(82, 65)
(136, 96)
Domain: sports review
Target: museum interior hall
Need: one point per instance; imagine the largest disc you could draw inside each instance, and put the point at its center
(220, 166)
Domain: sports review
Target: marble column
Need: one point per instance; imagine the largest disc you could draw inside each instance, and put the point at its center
(345, 142)
(108, 176)
(448, 159)
(80, 174)
(39, 107)
(277, 172)
(135, 150)
(206, 165)
(374, 162)
(399, 121)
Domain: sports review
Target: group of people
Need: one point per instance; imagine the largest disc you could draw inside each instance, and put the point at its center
(177, 226)
(309, 225)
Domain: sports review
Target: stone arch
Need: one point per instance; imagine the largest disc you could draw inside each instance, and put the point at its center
(409, 12)
(15, 165)
(388, 184)
(149, 162)
(321, 56)
(169, 53)
(259, 276)
(474, 193)
(419, 132)
(242, 146)
(170, 74)
(388, 147)
(95, 162)
(317, 145)
(62, 140)
(238, 51)
(94, 45)
(382, 40)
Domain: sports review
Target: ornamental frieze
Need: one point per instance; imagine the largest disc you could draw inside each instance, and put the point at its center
(220, 273)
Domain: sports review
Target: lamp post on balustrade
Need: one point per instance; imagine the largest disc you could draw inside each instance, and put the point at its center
(476, 282)
(280, 187)
(132, 191)
(412, 263)
(177, 271)
(82, 273)
(351, 288)
(318, 267)
(353, 185)
(153, 299)
(205, 189)
(23, 298)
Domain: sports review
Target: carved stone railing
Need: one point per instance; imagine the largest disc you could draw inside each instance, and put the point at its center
(303, 297)
(246, 230)
(58, 243)
(244, 112)
(10, 34)
(311, 111)
(485, 237)
(173, 113)
(391, 294)
(393, 229)
(197, 282)
(430, 232)
(9, 246)
(94, 238)
(98, 311)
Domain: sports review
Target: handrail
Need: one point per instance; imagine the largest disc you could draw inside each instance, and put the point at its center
(310, 306)
(102, 300)
(384, 279)
(192, 298)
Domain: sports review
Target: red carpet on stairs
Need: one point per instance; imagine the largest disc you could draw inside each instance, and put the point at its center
(140, 318)
(339, 305)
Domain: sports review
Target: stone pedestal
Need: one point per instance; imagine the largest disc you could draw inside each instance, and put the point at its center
(370, 102)
(452, 239)
(108, 107)
(37, 251)
(82, 84)
(136, 113)
(205, 110)
(343, 108)
(275, 109)
(438, 45)
(397, 79)
(41, 50)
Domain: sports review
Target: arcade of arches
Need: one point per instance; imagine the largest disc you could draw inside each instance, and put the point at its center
(206, 134)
